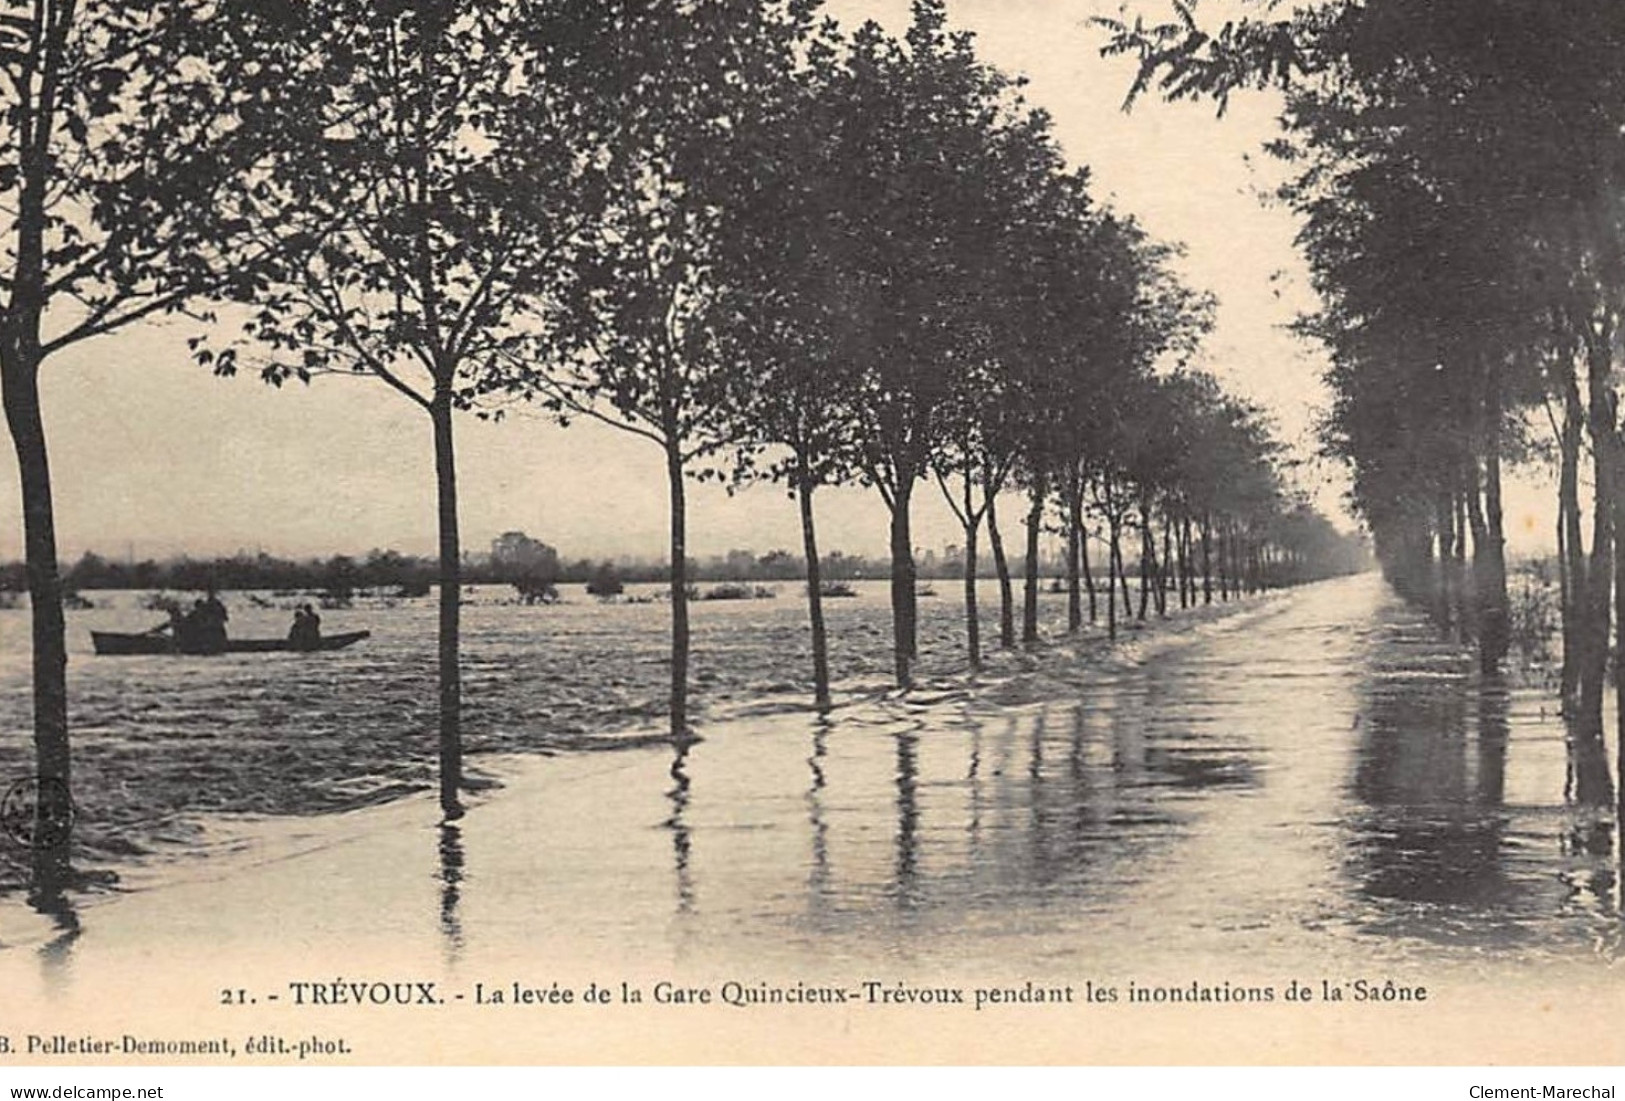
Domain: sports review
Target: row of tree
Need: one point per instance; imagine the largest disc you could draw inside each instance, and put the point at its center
(773, 249)
(1460, 169)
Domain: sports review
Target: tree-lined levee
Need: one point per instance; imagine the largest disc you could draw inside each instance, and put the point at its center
(1460, 168)
(441, 162)
(771, 247)
(131, 140)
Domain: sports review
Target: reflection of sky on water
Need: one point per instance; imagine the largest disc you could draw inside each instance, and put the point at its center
(1314, 777)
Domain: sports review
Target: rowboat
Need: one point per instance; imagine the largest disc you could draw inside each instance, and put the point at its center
(111, 642)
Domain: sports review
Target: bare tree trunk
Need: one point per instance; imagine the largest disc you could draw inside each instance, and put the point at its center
(19, 375)
(1187, 583)
(1571, 552)
(1233, 579)
(1565, 601)
(970, 520)
(1114, 572)
(451, 599)
(1190, 561)
(1164, 565)
(1489, 562)
(1466, 613)
(815, 592)
(1472, 601)
(1122, 566)
(21, 356)
(679, 589)
(1148, 560)
(1444, 603)
(1207, 559)
(904, 598)
(1083, 556)
(1074, 551)
(1619, 643)
(1001, 565)
(1593, 785)
(973, 624)
(1035, 524)
(1226, 584)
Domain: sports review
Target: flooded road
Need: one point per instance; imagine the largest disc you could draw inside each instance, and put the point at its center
(1315, 777)
(1311, 788)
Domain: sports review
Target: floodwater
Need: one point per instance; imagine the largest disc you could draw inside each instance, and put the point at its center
(1313, 777)
(160, 740)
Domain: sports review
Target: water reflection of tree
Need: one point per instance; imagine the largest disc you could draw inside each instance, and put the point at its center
(452, 862)
(1040, 816)
(1042, 862)
(1049, 803)
(1433, 828)
(973, 781)
(681, 837)
(818, 873)
(906, 881)
(49, 899)
(1067, 841)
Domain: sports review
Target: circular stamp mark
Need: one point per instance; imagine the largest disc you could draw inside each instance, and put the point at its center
(36, 812)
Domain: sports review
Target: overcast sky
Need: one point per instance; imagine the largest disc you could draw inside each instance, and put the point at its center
(152, 455)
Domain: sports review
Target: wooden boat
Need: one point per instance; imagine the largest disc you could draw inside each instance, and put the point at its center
(111, 642)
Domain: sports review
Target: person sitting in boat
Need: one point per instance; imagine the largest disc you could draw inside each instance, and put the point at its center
(306, 633)
(188, 629)
(299, 633)
(217, 611)
(203, 629)
(175, 628)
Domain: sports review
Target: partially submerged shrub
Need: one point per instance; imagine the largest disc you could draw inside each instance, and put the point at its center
(738, 590)
(1534, 617)
(606, 582)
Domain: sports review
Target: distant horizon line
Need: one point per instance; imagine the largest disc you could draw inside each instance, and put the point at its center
(628, 558)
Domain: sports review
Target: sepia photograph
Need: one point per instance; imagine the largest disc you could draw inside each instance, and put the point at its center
(813, 532)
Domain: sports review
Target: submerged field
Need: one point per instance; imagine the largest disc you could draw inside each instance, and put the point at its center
(161, 740)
